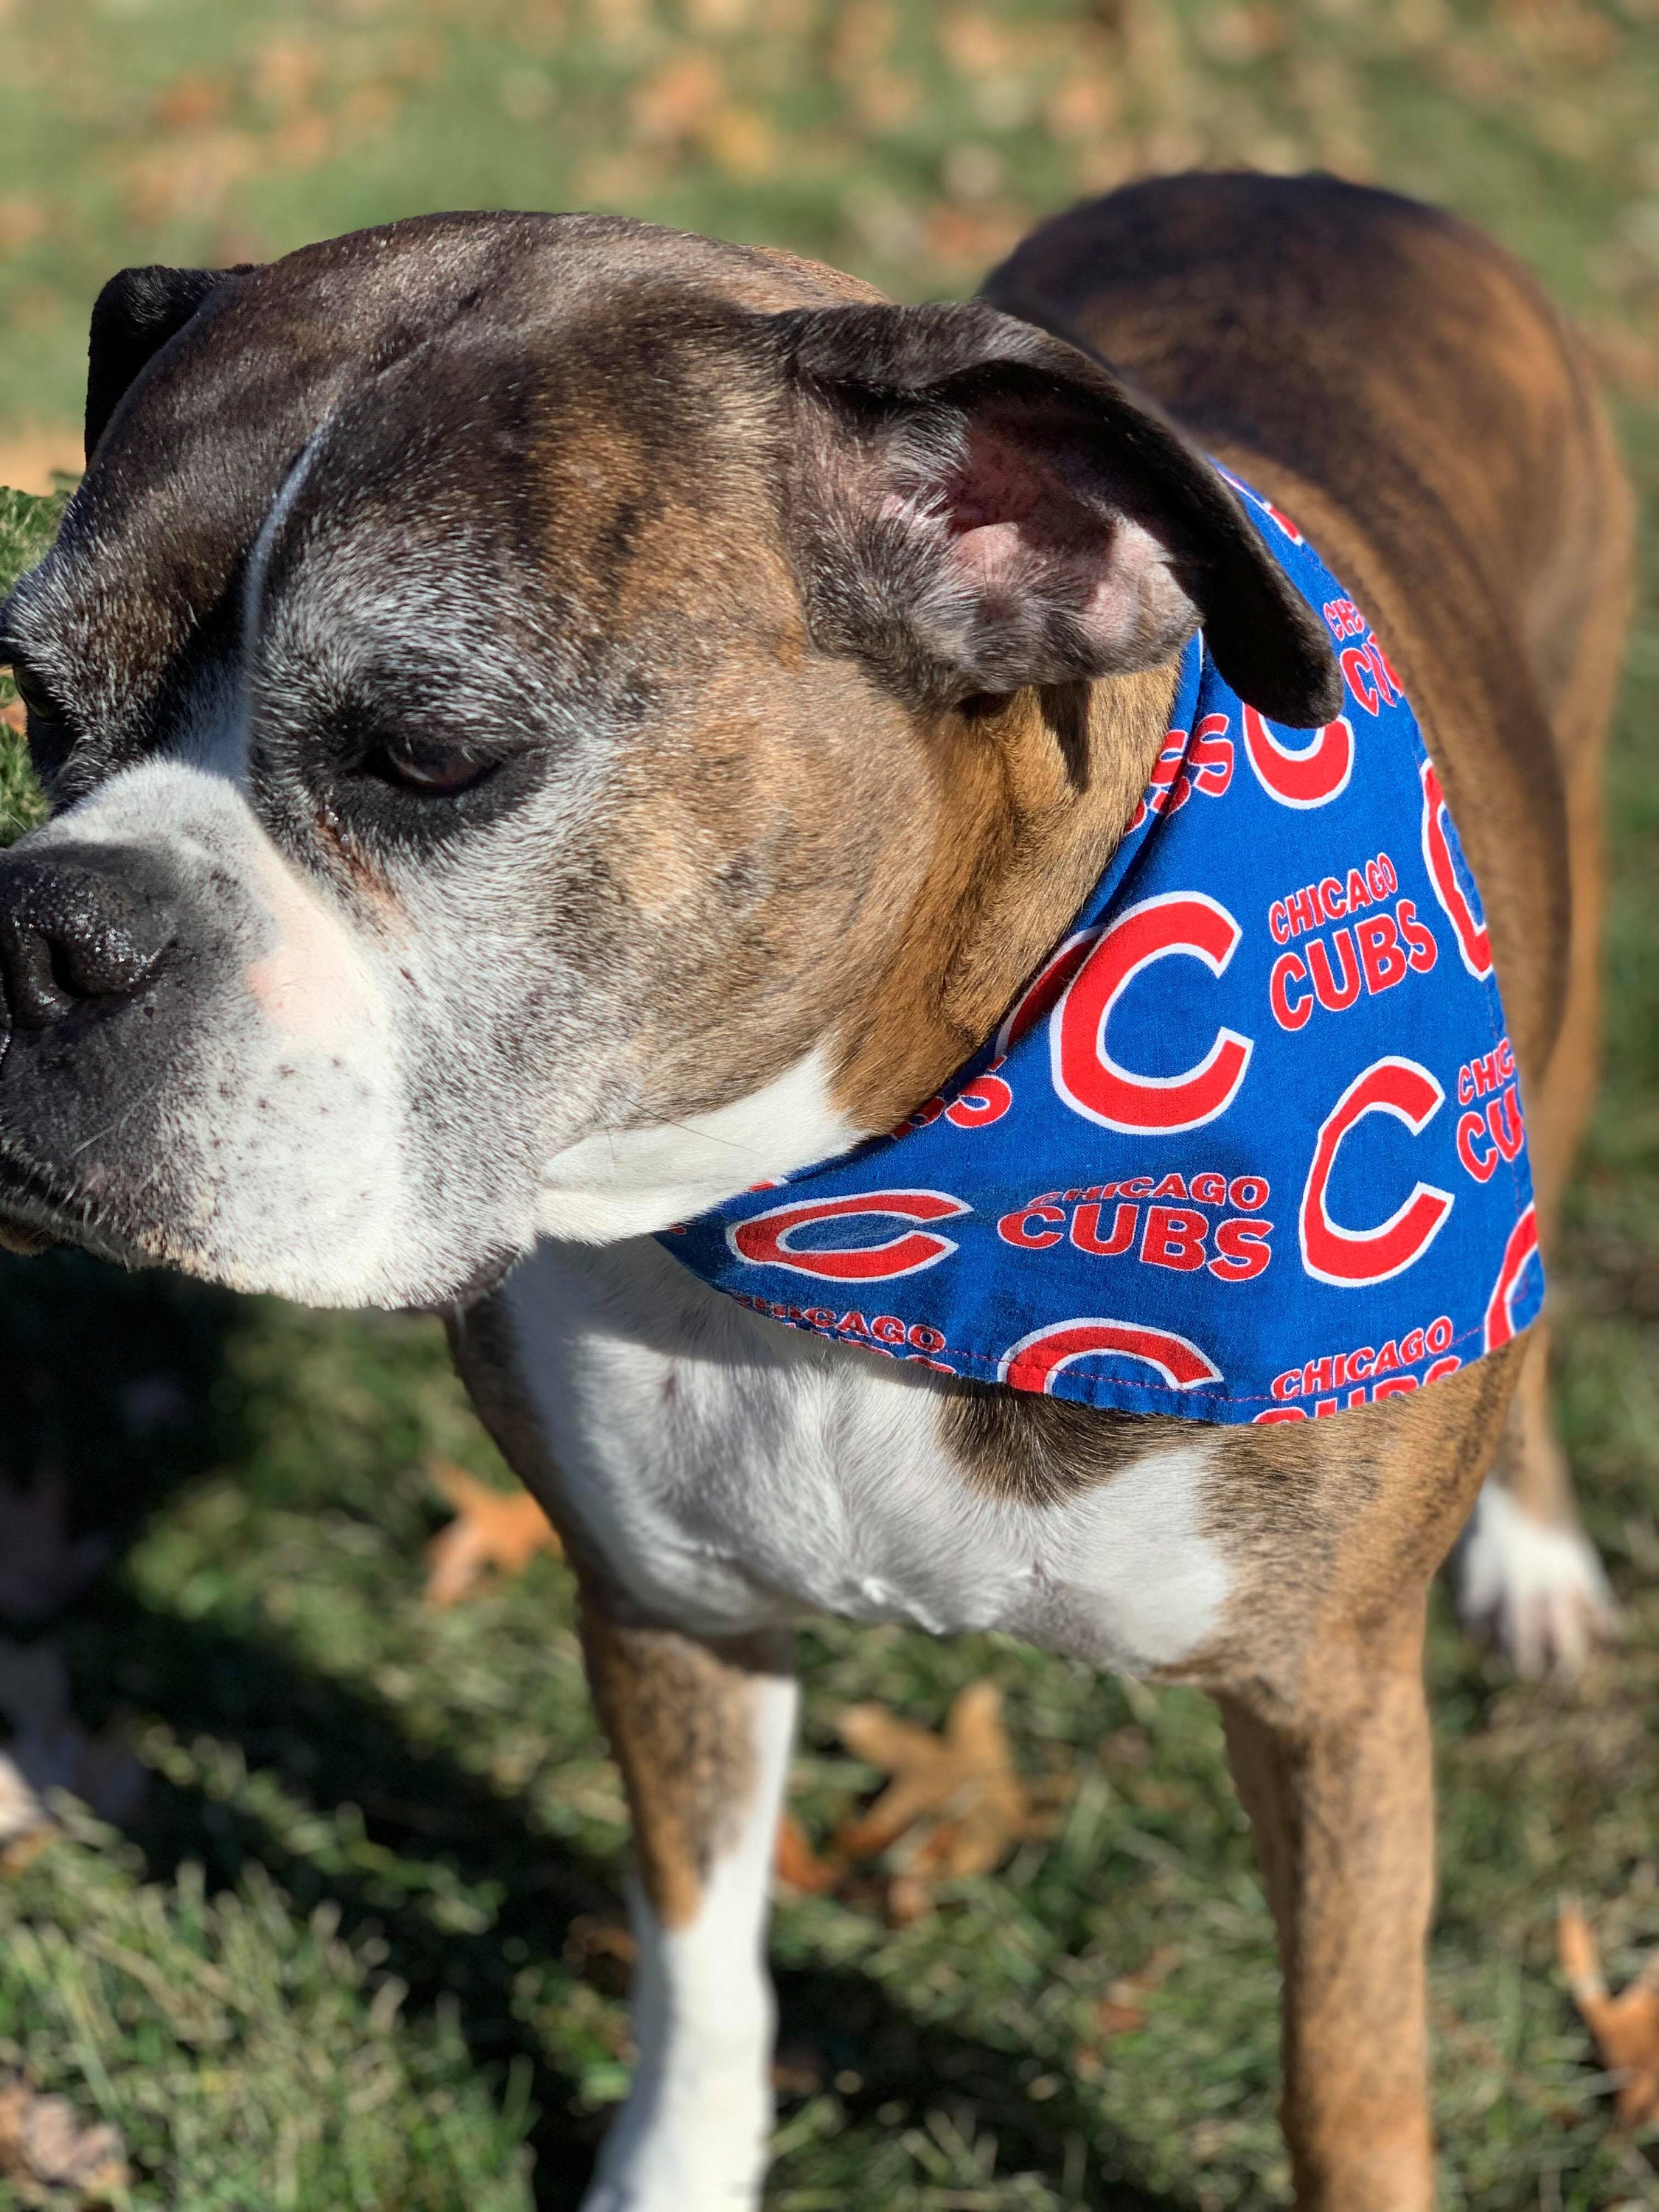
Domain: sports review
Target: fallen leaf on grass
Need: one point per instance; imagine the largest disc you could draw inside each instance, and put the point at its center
(1123, 2007)
(909, 1898)
(955, 1795)
(45, 2147)
(603, 1952)
(799, 1866)
(955, 1806)
(1626, 2028)
(499, 1529)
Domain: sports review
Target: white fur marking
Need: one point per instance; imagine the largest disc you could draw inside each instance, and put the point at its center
(1539, 1591)
(302, 1188)
(1136, 1543)
(734, 1472)
(693, 2135)
(259, 559)
(626, 1182)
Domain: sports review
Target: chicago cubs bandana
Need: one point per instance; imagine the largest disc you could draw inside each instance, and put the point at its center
(1249, 1146)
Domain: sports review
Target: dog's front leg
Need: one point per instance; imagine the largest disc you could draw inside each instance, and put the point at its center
(1340, 1795)
(702, 1730)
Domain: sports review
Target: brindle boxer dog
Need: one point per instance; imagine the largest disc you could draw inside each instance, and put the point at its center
(552, 721)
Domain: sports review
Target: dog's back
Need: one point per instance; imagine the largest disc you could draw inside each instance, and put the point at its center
(1407, 393)
(1392, 367)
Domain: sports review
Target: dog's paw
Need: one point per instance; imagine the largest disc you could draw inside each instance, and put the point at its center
(669, 2187)
(1539, 1593)
(679, 2145)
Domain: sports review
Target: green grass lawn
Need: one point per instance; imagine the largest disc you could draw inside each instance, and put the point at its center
(343, 1957)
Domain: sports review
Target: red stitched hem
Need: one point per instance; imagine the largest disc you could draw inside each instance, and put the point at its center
(994, 1360)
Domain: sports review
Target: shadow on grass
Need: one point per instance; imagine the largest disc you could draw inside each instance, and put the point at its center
(337, 1748)
(111, 1382)
(119, 1381)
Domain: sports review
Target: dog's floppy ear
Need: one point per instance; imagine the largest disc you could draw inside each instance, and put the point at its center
(133, 318)
(981, 506)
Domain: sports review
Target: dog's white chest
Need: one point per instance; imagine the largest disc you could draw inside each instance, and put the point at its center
(733, 1473)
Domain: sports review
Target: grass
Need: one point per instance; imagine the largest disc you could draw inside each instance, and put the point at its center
(344, 1956)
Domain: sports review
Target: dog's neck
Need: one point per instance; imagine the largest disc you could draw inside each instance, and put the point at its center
(1034, 801)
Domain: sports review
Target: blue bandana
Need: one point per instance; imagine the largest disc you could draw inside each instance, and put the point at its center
(1249, 1146)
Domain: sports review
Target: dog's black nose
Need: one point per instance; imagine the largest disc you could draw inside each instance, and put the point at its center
(75, 928)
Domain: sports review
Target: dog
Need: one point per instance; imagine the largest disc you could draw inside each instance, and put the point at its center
(555, 726)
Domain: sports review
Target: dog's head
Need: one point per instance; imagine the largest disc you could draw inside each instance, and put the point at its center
(499, 683)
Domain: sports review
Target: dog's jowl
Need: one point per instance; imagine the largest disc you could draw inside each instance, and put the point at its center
(905, 929)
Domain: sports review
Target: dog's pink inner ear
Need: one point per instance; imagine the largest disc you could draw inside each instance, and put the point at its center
(994, 486)
(1047, 572)
(975, 505)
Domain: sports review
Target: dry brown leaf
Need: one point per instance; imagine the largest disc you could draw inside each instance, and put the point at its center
(955, 1806)
(497, 1529)
(603, 1952)
(956, 1797)
(909, 1898)
(1626, 2028)
(797, 1865)
(44, 2146)
(680, 98)
(1123, 2007)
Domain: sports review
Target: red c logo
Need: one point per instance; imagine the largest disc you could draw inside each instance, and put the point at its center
(1086, 1076)
(1312, 776)
(1468, 925)
(763, 1239)
(985, 1099)
(1037, 1359)
(1348, 1257)
(1523, 1243)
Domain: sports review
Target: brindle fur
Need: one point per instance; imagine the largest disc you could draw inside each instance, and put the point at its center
(677, 1711)
(676, 1708)
(1033, 798)
(821, 816)
(1465, 486)
(1404, 391)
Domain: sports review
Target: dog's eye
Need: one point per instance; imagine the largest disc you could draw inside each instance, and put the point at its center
(49, 734)
(434, 769)
(33, 696)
